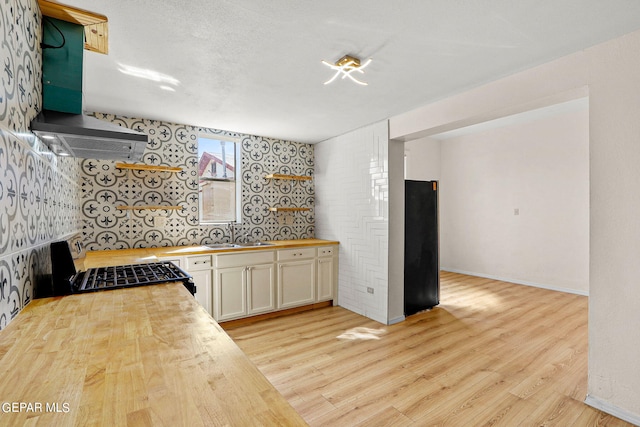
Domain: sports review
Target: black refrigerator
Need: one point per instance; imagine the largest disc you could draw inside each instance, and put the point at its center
(421, 258)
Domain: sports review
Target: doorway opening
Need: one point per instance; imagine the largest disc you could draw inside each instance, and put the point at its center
(514, 196)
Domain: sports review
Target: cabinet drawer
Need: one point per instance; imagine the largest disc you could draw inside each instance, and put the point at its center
(326, 251)
(201, 262)
(298, 253)
(177, 261)
(242, 259)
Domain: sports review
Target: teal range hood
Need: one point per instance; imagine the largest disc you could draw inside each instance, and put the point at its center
(62, 57)
(61, 124)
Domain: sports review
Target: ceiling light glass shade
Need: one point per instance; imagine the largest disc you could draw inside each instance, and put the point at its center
(345, 66)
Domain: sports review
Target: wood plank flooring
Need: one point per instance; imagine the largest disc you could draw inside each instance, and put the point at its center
(491, 354)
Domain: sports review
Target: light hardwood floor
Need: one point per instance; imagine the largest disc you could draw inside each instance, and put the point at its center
(492, 353)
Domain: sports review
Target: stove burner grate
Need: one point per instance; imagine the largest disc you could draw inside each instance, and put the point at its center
(96, 279)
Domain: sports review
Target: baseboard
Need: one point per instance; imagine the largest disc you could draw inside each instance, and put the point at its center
(228, 324)
(610, 409)
(518, 282)
(396, 320)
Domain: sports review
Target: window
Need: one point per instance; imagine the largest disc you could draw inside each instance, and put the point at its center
(217, 171)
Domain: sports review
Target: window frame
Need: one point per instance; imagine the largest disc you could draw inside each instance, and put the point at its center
(237, 179)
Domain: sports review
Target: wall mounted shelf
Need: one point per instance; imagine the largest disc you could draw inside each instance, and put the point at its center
(147, 207)
(289, 177)
(143, 167)
(294, 177)
(289, 209)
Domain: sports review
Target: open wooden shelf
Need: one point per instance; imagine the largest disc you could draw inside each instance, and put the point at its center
(292, 177)
(282, 176)
(143, 167)
(289, 209)
(147, 207)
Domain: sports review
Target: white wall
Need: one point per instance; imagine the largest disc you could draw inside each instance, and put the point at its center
(540, 168)
(422, 159)
(352, 206)
(614, 294)
(396, 233)
(609, 74)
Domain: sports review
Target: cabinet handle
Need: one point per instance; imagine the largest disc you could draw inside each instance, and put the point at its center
(201, 262)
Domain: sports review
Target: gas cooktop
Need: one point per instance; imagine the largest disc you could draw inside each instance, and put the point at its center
(65, 279)
(122, 276)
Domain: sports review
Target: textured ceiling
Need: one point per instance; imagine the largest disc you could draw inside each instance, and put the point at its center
(254, 66)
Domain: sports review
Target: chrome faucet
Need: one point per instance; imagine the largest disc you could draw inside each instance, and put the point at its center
(232, 231)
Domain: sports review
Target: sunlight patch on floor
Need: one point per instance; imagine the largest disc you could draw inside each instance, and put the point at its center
(362, 333)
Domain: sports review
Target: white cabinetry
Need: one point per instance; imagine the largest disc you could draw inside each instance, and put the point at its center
(261, 289)
(232, 285)
(199, 267)
(244, 284)
(296, 277)
(230, 292)
(327, 273)
(179, 261)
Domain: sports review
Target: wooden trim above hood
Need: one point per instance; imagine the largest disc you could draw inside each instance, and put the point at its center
(96, 26)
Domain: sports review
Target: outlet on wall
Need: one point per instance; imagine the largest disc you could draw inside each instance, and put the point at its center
(369, 290)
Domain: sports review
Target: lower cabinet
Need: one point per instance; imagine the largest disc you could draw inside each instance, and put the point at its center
(296, 277)
(230, 294)
(232, 285)
(199, 267)
(244, 285)
(261, 289)
(327, 268)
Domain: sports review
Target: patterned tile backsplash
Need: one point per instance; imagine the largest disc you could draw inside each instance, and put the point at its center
(44, 198)
(39, 193)
(104, 187)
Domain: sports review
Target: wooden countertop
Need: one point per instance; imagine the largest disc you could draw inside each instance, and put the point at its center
(134, 256)
(145, 356)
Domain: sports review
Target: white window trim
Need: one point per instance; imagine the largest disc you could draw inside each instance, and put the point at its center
(238, 177)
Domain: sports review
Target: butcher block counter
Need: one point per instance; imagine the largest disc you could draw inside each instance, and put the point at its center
(144, 356)
(132, 256)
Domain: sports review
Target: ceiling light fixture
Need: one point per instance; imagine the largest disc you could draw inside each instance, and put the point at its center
(345, 66)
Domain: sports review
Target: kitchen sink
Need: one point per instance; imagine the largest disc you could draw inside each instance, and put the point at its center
(222, 246)
(237, 245)
(253, 244)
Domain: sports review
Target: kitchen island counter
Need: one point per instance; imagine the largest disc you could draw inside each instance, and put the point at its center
(144, 356)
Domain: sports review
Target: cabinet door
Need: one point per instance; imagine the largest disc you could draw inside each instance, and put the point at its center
(202, 279)
(296, 283)
(260, 289)
(325, 279)
(199, 267)
(230, 297)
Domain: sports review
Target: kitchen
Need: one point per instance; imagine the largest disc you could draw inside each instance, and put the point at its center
(28, 227)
